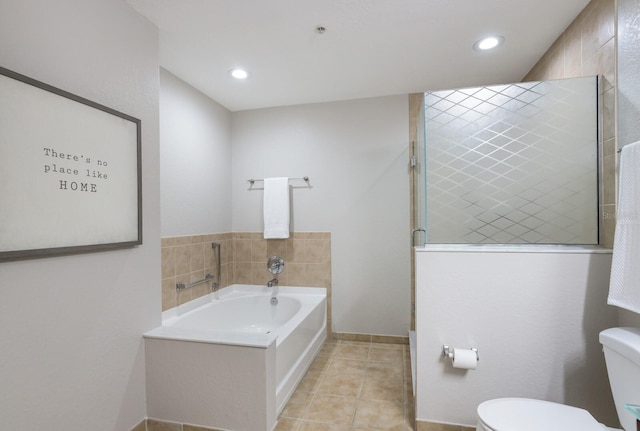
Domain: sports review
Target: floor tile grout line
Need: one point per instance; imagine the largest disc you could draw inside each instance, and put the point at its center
(332, 354)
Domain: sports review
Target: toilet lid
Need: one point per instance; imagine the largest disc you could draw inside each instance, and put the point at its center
(521, 414)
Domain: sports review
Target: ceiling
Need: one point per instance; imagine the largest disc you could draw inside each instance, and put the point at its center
(370, 47)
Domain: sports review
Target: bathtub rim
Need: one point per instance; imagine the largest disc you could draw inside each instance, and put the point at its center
(224, 337)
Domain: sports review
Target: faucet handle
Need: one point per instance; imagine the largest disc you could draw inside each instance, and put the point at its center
(275, 264)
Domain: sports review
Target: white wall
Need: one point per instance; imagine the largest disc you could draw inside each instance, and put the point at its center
(195, 160)
(356, 155)
(71, 347)
(535, 319)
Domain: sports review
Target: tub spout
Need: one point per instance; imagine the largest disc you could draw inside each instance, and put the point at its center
(272, 283)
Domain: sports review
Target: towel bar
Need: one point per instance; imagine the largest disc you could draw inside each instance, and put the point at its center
(306, 179)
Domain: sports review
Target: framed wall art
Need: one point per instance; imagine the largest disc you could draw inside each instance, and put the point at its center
(70, 172)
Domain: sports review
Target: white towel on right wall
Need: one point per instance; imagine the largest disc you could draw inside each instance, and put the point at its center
(624, 287)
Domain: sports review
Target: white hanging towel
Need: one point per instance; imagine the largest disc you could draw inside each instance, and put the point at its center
(276, 208)
(624, 287)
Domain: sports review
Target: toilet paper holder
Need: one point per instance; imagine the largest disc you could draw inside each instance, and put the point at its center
(447, 352)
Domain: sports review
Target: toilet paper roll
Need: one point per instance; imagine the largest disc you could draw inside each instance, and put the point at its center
(465, 358)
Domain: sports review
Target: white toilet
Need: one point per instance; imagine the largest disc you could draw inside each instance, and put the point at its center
(622, 354)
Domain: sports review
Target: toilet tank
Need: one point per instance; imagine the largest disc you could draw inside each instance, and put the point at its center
(621, 348)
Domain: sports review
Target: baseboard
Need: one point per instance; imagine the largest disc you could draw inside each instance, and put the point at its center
(436, 426)
(158, 425)
(370, 338)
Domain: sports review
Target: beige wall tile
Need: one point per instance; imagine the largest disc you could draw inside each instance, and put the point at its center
(304, 235)
(195, 276)
(196, 239)
(227, 272)
(607, 228)
(242, 235)
(278, 247)
(225, 247)
(556, 64)
(182, 258)
(296, 251)
(608, 115)
(183, 296)
(169, 295)
(242, 250)
(196, 253)
(168, 242)
(231, 250)
(602, 62)
(209, 256)
(316, 274)
(597, 24)
(609, 147)
(283, 278)
(242, 273)
(260, 274)
(168, 261)
(259, 250)
(609, 179)
(572, 52)
(296, 274)
(243, 257)
(182, 240)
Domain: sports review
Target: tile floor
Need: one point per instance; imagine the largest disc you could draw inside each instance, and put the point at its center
(353, 385)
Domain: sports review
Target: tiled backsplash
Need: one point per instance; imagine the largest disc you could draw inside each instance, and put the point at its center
(189, 258)
(243, 258)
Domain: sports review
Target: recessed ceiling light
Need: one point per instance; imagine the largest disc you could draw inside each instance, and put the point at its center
(488, 43)
(238, 73)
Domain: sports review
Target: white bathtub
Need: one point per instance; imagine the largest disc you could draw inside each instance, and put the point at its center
(236, 344)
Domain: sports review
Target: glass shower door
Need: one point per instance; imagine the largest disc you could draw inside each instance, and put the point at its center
(513, 164)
